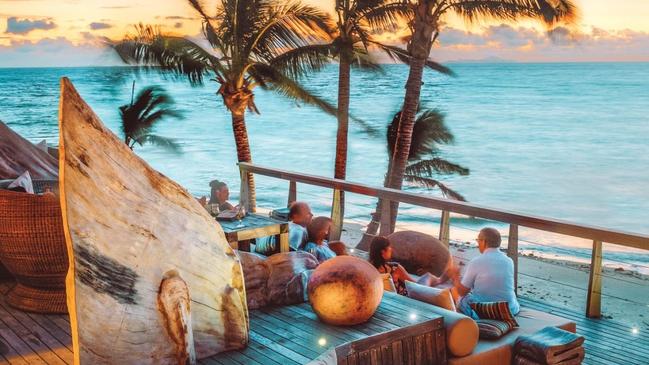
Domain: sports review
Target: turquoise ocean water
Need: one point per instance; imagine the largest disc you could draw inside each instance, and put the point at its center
(568, 141)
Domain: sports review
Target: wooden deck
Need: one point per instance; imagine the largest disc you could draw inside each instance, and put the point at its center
(27, 338)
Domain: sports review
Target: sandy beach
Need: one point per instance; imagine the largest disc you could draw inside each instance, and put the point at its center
(556, 281)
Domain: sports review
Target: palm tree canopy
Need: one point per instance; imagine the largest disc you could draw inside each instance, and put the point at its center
(139, 118)
(357, 23)
(264, 43)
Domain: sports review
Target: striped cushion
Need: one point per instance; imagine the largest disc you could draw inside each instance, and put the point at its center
(495, 310)
(491, 329)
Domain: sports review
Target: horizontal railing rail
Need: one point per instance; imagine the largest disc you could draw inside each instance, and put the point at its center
(598, 235)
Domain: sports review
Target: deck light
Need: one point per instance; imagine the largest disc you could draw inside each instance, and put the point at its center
(413, 316)
(351, 250)
(322, 341)
(635, 330)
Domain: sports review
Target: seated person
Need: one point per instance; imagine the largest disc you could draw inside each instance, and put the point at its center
(339, 248)
(299, 217)
(488, 277)
(220, 195)
(380, 256)
(318, 231)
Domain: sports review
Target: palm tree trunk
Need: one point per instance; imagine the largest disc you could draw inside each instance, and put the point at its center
(424, 27)
(340, 171)
(243, 151)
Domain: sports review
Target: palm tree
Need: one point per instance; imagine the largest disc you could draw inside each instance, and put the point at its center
(140, 117)
(357, 22)
(424, 160)
(265, 43)
(425, 27)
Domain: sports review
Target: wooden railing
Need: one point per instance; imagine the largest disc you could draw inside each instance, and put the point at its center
(596, 234)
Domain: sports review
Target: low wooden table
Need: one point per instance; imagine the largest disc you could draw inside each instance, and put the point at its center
(402, 331)
(255, 226)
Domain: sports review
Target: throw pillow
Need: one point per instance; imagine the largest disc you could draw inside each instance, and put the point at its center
(439, 297)
(491, 329)
(495, 310)
(23, 181)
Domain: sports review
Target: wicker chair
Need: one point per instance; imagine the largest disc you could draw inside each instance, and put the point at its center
(33, 249)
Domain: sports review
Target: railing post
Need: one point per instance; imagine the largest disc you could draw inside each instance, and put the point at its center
(244, 192)
(594, 298)
(445, 227)
(292, 193)
(512, 251)
(336, 216)
(386, 217)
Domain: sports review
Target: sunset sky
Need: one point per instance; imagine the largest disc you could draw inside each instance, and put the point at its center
(70, 32)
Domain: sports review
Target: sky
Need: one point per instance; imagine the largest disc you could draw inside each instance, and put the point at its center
(37, 33)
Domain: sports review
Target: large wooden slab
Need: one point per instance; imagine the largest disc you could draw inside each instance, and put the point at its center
(128, 227)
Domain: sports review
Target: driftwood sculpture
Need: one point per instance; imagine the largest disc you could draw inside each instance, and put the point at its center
(152, 279)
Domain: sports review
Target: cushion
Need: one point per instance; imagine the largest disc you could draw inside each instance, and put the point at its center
(388, 284)
(42, 145)
(461, 332)
(491, 329)
(439, 297)
(18, 155)
(495, 310)
(23, 181)
(500, 351)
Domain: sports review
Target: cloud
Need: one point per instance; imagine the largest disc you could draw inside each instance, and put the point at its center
(58, 52)
(24, 26)
(176, 17)
(532, 45)
(99, 25)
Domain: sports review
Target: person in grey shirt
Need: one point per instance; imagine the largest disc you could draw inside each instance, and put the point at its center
(488, 277)
(299, 217)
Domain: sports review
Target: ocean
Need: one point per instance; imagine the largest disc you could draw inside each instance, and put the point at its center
(561, 140)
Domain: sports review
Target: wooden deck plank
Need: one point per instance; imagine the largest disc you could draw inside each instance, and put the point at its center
(32, 327)
(18, 345)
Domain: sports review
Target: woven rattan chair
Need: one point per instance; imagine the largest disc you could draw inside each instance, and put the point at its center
(32, 248)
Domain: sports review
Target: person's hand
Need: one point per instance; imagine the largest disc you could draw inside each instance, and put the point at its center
(202, 200)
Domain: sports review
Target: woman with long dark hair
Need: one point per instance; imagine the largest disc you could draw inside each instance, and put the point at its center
(380, 256)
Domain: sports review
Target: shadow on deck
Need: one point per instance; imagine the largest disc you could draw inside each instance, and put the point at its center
(27, 338)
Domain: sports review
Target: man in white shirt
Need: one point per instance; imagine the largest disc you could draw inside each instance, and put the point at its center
(488, 277)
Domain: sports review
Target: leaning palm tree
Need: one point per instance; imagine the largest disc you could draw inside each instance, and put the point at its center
(425, 29)
(425, 161)
(140, 117)
(265, 43)
(356, 24)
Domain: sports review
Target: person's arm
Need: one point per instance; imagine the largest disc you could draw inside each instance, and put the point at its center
(402, 274)
(465, 284)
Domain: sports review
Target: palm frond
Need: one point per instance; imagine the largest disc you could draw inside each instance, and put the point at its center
(383, 15)
(177, 55)
(272, 79)
(430, 183)
(548, 11)
(428, 131)
(436, 165)
(288, 25)
(163, 142)
(299, 61)
(402, 55)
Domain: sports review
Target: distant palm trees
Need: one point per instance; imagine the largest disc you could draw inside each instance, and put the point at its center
(265, 43)
(425, 27)
(140, 117)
